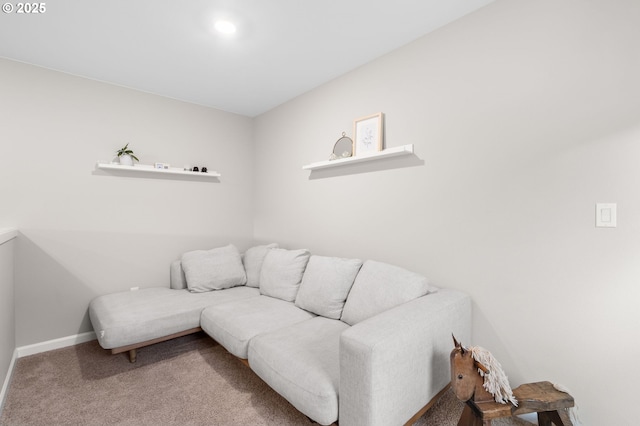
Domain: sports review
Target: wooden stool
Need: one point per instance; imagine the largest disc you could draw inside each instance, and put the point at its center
(540, 397)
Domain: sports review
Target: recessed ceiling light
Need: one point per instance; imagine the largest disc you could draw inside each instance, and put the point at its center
(225, 27)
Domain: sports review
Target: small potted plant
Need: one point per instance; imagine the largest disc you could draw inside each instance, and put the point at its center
(126, 156)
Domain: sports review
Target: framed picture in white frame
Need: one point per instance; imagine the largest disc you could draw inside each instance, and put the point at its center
(368, 134)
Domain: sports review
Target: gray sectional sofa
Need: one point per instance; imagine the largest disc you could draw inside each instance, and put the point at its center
(365, 343)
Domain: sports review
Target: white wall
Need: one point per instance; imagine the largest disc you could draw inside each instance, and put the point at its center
(84, 233)
(524, 115)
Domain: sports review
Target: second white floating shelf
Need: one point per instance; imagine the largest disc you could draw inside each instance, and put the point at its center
(386, 153)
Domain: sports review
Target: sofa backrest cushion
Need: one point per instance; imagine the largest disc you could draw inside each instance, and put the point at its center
(214, 269)
(325, 285)
(177, 280)
(252, 261)
(379, 287)
(281, 273)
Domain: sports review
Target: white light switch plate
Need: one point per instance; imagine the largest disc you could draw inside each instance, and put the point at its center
(606, 215)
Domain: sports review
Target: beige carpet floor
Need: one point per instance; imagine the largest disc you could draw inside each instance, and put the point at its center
(187, 381)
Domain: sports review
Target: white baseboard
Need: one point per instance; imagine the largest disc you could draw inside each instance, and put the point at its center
(37, 348)
(7, 379)
(50, 345)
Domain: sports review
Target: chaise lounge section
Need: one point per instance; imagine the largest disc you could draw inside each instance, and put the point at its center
(362, 343)
(127, 321)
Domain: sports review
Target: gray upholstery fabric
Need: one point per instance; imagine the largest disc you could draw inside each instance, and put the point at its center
(301, 362)
(234, 324)
(281, 273)
(252, 261)
(177, 280)
(325, 285)
(380, 371)
(214, 269)
(392, 364)
(378, 287)
(129, 317)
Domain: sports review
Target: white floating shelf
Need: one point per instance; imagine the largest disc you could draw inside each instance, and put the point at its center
(147, 169)
(387, 153)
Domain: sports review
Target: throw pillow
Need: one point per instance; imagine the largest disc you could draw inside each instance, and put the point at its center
(325, 285)
(252, 261)
(215, 269)
(282, 272)
(379, 287)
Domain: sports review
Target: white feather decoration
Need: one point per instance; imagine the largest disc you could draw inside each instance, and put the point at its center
(573, 411)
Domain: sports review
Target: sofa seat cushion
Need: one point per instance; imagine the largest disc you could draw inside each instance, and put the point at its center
(130, 317)
(301, 362)
(234, 324)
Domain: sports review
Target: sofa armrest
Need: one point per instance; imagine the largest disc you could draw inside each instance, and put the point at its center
(177, 279)
(393, 364)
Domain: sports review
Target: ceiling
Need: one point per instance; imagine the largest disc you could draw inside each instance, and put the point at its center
(282, 48)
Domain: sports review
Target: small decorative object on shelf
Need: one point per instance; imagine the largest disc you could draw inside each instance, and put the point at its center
(343, 148)
(162, 166)
(195, 169)
(368, 134)
(125, 156)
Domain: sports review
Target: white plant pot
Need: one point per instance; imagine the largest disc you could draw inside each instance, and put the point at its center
(126, 160)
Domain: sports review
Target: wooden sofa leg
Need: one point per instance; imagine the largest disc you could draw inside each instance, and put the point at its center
(132, 355)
